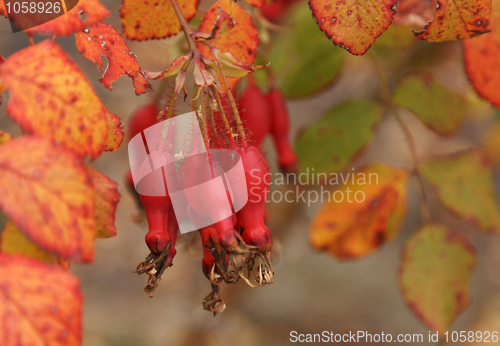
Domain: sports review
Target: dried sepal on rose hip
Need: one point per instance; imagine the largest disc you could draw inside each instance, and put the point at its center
(255, 233)
(160, 239)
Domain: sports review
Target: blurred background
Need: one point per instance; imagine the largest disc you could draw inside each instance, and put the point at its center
(312, 292)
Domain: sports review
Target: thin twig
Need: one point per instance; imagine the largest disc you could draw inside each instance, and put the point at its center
(387, 100)
(185, 27)
(424, 205)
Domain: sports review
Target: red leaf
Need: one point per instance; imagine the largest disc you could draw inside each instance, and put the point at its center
(40, 304)
(103, 39)
(353, 25)
(146, 20)
(106, 200)
(85, 13)
(457, 20)
(47, 193)
(50, 96)
(480, 54)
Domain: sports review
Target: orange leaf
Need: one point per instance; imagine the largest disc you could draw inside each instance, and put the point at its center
(84, 14)
(50, 96)
(14, 242)
(40, 304)
(241, 41)
(480, 54)
(415, 13)
(103, 39)
(48, 194)
(145, 20)
(114, 130)
(106, 200)
(362, 215)
(457, 20)
(353, 25)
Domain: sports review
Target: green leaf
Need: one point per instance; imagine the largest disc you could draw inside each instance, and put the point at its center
(435, 273)
(332, 143)
(303, 58)
(464, 183)
(438, 107)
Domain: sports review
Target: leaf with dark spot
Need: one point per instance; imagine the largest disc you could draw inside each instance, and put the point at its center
(457, 20)
(362, 215)
(353, 25)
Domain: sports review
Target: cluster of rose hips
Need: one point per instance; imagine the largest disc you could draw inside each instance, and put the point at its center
(239, 246)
